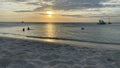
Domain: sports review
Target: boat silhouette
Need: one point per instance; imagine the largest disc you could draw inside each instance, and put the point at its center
(101, 22)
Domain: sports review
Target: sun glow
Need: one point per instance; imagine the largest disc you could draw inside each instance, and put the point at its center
(49, 12)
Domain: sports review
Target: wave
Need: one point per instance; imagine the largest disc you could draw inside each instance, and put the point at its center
(12, 34)
(58, 38)
(68, 39)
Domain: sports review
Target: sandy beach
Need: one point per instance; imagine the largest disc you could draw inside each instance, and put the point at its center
(17, 53)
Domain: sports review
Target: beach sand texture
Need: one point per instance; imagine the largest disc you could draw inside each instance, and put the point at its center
(16, 53)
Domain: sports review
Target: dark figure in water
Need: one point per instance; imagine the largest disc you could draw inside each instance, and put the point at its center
(23, 29)
(82, 28)
(28, 28)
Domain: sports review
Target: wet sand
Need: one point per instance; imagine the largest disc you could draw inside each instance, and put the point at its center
(17, 53)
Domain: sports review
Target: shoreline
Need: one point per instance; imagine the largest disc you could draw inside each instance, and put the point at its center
(18, 53)
(89, 44)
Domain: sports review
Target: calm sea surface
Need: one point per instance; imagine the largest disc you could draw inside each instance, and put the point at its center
(109, 33)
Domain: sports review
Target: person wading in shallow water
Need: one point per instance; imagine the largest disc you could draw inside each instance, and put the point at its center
(28, 28)
(82, 28)
(23, 29)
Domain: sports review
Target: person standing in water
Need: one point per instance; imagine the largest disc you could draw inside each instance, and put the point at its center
(82, 28)
(28, 28)
(23, 29)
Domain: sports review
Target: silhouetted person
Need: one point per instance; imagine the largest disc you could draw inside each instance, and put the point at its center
(23, 29)
(82, 28)
(28, 28)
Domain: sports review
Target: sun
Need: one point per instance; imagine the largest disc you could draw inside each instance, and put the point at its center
(49, 12)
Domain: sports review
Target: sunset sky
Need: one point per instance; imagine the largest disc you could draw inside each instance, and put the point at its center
(59, 10)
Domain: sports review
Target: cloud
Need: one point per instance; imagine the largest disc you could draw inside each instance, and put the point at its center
(72, 15)
(68, 5)
(24, 11)
(13, 0)
(68, 15)
(112, 3)
(19, 0)
(84, 7)
(77, 4)
(33, 3)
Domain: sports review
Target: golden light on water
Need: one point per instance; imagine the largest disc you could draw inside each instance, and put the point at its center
(50, 31)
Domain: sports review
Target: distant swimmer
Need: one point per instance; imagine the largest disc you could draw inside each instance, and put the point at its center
(28, 28)
(23, 29)
(82, 28)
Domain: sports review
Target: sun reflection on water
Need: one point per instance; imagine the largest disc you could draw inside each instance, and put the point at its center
(50, 31)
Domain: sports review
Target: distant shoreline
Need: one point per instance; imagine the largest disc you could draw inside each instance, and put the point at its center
(60, 22)
(51, 22)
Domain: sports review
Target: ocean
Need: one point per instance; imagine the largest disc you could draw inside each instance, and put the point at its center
(80, 32)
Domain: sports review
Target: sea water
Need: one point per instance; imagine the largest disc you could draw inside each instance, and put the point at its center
(92, 32)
